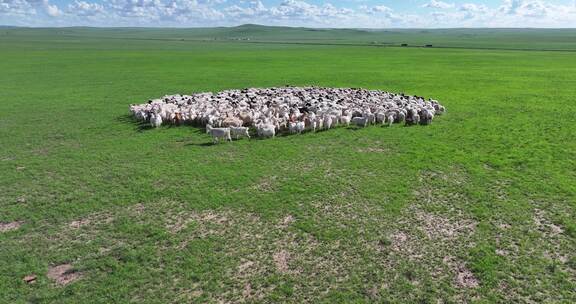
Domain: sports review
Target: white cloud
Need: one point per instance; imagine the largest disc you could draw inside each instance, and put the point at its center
(510, 6)
(438, 4)
(137, 8)
(535, 13)
(289, 12)
(254, 8)
(16, 8)
(28, 8)
(301, 10)
(533, 8)
(186, 13)
(53, 10)
(381, 9)
(83, 8)
(472, 10)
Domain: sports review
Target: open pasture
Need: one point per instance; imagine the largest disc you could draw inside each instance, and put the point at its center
(479, 206)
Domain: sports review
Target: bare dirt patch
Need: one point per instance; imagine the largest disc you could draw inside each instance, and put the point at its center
(79, 223)
(463, 277)
(63, 274)
(178, 223)
(245, 266)
(266, 184)
(373, 150)
(5, 227)
(544, 225)
(399, 240)
(94, 219)
(281, 261)
(247, 292)
(286, 221)
(441, 227)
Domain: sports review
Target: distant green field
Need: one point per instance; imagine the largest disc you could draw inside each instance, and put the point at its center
(477, 207)
(521, 39)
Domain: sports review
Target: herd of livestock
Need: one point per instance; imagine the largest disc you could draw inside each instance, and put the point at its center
(270, 111)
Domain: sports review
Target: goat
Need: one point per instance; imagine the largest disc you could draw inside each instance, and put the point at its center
(265, 130)
(328, 121)
(239, 132)
(270, 110)
(360, 121)
(156, 120)
(345, 120)
(218, 133)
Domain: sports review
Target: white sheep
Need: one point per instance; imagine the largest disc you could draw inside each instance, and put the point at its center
(345, 120)
(320, 122)
(328, 121)
(156, 120)
(266, 130)
(380, 117)
(360, 121)
(300, 126)
(218, 133)
(270, 110)
(390, 118)
(311, 120)
(238, 132)
(371, 118)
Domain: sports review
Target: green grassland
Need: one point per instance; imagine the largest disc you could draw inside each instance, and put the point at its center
(515, 39)
(477, 207)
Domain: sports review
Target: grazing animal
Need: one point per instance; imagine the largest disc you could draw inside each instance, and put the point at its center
(401, 117)
(360, 121)
(238, 132)
(300, 126)
(345, 120)
(311, 121)
(412, 117)
(426, 117)
(328, 121)
(380, 117)
(156, 120)
(177, 118)
(290, 109)
(390, 119)
(218, 133)
(232, 122)
(292, 127)
(265, 130)
(319, 122)
(371, 118)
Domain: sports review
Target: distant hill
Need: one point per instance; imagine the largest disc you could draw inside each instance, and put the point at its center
(483, 38)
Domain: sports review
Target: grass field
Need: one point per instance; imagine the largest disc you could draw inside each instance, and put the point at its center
(478, 207)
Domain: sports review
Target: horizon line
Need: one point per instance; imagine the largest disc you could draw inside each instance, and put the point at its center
(285, 26)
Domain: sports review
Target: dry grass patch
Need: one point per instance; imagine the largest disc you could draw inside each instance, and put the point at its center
(286, 221)
(433, 235)
(63, 274)
(373, 150)
(544, 225)
(266, 184)
(441, 227)
(79, 223)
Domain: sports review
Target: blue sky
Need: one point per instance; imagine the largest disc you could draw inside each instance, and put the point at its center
(312, 13)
